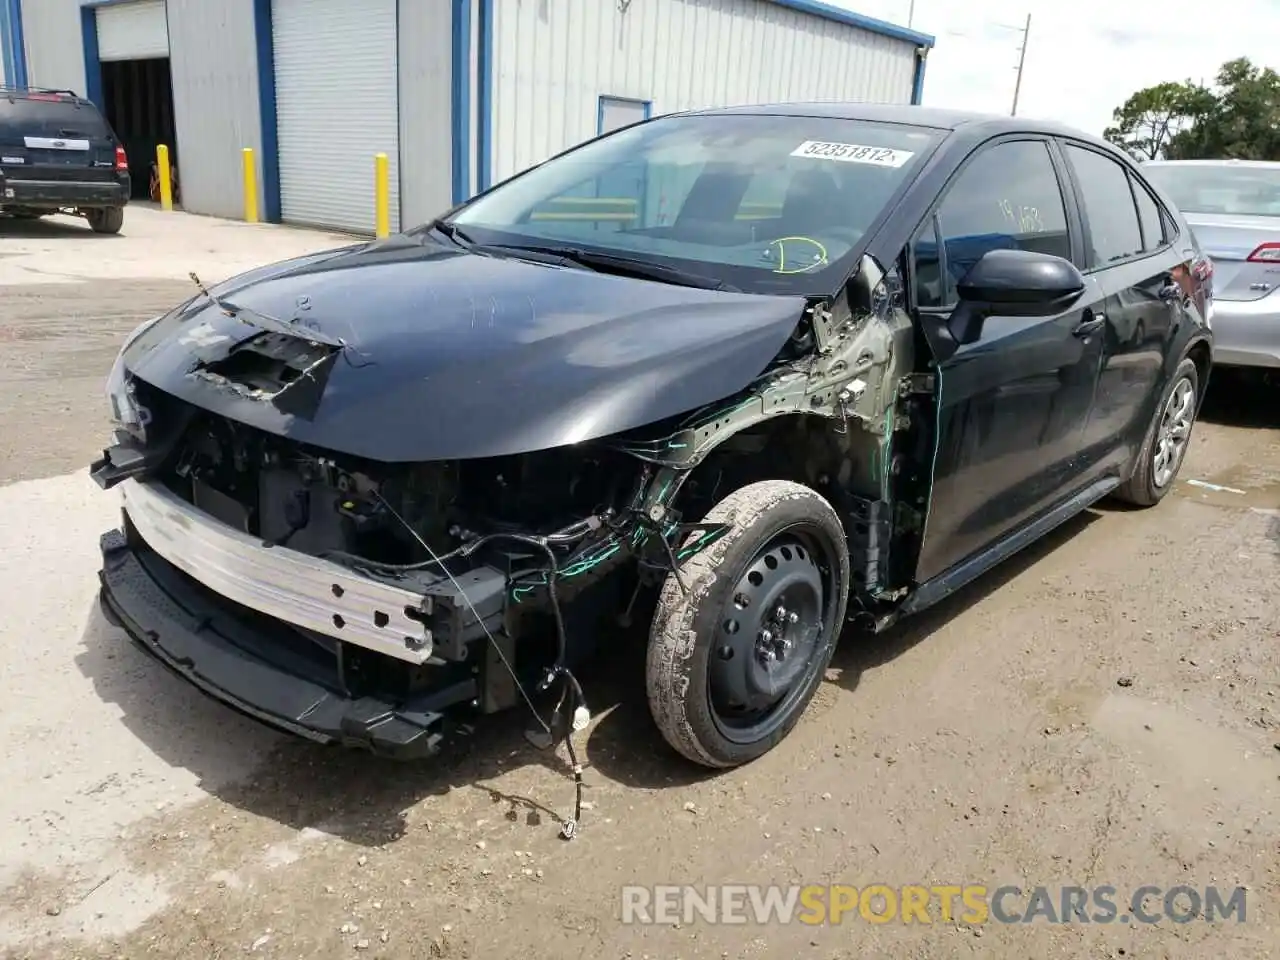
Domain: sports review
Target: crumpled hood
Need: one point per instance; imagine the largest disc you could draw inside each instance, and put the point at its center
(451, 354)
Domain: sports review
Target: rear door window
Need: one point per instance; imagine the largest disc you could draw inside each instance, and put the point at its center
(1114, 230)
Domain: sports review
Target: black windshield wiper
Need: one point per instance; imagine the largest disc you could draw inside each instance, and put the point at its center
(633, 266)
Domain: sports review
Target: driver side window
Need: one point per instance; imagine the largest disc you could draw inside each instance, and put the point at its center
(1008, 197)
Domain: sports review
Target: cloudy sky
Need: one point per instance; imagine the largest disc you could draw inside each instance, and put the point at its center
(1085, 57)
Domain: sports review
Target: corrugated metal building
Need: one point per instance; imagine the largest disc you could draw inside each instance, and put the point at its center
(459, 94)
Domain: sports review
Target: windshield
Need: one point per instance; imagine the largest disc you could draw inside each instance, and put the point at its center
(1234, 190)
(767, 203)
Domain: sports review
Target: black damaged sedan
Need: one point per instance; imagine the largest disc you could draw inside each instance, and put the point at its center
(747, 374)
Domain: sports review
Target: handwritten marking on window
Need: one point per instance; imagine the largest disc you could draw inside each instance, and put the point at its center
(1025, 218)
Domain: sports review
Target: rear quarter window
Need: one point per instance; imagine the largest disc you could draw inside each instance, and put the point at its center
(1151, 217)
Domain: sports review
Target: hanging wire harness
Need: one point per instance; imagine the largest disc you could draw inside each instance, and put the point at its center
(581, 716)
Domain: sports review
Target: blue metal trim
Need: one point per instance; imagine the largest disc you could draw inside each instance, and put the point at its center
(917, 82)
(19, 44)
(460, 100)
(600, 102)
(6, 45)
(849, 18)
(270, 136)
(484, 104)
(92, 65)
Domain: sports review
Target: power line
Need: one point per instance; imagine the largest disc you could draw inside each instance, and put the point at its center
(1025, 30)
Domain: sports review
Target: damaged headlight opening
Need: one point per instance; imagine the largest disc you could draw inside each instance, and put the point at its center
(121, 395)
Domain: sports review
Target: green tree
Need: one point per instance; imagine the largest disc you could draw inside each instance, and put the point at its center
(1239, 117)
(1151, 118)
(1243, 122)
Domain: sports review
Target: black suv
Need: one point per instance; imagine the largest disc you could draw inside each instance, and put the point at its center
(58, 154)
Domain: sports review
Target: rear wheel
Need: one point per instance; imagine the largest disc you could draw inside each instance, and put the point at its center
(1167, 440)
(733, 664)
(106, 219)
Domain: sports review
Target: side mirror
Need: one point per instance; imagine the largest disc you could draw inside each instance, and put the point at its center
(1016, 283)
(1021, 282)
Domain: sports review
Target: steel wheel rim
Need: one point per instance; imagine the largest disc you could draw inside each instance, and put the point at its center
(1174, 433)
(763, 654)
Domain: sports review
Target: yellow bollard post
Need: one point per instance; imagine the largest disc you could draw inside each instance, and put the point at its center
(381, 195)
(166, 177)
(250, 187)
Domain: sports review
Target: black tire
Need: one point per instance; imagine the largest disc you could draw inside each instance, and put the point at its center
(106, 219)
(1142, 488)
(769, 520)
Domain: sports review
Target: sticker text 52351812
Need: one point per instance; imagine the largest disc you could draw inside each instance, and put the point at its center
(852, 153)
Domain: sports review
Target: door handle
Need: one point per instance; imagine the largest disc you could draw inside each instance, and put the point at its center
(1087, 328)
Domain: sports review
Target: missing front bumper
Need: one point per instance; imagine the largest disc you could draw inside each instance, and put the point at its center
(241, 664)
(305, 591)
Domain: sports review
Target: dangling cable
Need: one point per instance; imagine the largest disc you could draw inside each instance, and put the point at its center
(580, 716)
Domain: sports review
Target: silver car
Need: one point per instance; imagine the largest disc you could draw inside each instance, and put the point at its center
(1233, 208)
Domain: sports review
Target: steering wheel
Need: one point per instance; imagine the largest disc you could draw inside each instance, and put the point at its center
(819, 259)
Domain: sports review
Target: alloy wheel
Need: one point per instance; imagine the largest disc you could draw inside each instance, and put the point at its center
(1174, 433)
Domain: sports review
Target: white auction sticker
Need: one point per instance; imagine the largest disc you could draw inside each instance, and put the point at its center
(852, 153)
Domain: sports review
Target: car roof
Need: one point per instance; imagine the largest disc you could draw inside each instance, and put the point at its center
(971, 121)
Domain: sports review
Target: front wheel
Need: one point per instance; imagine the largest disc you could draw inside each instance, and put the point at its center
(1168, 437)
(106, 219)
(733, 664)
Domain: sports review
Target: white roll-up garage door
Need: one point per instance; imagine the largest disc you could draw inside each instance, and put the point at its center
(337, 105)
(133, 31)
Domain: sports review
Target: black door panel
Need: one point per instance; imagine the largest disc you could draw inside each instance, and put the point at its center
(1129, 254)
(1014, 404)
(1011, 425)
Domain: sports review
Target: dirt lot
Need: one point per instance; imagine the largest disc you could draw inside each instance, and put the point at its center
(1105, 709)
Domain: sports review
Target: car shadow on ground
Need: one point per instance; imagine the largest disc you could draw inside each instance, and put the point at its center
(47, 228)
(1249, 399)
(861, 652)
(345, 793)
(1242, 398)
(366, 800)
(1237, 398)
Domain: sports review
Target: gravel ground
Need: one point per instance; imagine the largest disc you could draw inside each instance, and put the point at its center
(1103, 709)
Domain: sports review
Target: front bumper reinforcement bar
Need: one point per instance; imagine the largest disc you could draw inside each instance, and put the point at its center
(306, 591)
(193, 633)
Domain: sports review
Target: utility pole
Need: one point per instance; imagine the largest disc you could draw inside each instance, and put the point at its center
(911, 14)
(1022, 59)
